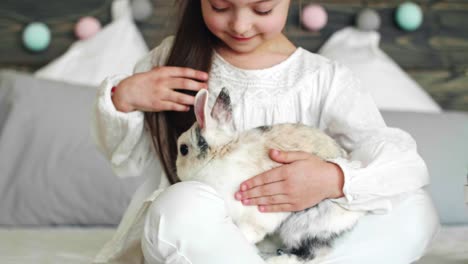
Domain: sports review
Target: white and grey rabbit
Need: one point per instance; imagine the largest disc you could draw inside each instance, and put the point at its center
(213, 152)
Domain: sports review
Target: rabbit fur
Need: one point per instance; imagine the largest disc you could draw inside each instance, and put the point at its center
(213, 152)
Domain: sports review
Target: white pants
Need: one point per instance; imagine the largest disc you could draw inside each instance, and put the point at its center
(188, 223)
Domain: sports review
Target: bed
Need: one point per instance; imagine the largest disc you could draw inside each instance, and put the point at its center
(80, 245)
(60, 201)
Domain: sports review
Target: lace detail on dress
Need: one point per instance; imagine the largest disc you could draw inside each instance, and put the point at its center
(264, 85)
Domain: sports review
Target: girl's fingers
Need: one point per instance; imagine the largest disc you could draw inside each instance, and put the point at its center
(270, 176)
(267, 200)
(180, 98)
(186, 84)
(171, 106)
(166, 100)
(184, 72)
(275, 188)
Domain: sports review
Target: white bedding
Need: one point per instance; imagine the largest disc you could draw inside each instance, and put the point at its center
(449, 247)
(80, 245)
(52, 246)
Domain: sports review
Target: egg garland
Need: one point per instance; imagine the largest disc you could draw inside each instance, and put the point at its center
(87, 27)
(36, 36)
(141, 9)
(368, 20)
(314, 17)
(409, 16)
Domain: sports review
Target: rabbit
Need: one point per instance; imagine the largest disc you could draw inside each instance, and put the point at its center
(213, 152)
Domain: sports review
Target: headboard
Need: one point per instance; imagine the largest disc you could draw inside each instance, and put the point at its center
(435, 55)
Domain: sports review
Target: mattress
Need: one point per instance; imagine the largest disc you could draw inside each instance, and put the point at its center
(449, 247)
(52, 245)
(80, 245)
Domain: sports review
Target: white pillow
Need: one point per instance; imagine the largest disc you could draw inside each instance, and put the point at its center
(390, 86)
(114, 50)
(51, 172)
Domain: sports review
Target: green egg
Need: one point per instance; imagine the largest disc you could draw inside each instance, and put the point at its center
(409, 16)
(36, 36)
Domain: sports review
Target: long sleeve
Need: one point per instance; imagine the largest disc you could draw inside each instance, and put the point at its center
(125, 141)
(123, 137)
(383, 162)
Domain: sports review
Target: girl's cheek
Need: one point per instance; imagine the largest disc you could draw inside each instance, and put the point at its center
(212, 20)
(273, 23)
(214, 24)
(272, 26)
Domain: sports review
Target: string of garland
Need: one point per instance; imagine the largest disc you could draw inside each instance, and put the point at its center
(408, 16)
(36, 36)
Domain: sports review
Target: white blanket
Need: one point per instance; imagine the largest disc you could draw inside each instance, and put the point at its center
(80, 245)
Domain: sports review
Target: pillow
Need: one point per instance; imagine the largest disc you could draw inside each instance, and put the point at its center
(114, 50)
(51, 171)
(442, 141)
(390, 86)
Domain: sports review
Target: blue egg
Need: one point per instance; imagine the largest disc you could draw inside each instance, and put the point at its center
(409, 16)
(36, 36)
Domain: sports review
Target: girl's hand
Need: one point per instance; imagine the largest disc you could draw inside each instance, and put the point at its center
(154, 91)
(302, 182)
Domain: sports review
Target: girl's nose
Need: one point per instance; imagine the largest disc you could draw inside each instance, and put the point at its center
(240, 23)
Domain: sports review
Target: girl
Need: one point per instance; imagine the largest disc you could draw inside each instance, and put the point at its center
(239, 44)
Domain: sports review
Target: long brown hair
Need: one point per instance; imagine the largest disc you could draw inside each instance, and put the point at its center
(193, 47)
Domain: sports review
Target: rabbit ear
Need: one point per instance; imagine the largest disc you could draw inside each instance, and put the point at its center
(200, 107)
(222, 110)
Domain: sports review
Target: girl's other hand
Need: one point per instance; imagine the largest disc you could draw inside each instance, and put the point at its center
(301, 182)
(155, 90)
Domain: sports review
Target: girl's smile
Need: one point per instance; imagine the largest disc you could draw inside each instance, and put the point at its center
(242, 39)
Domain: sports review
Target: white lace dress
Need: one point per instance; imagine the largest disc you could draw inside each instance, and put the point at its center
(383, 162)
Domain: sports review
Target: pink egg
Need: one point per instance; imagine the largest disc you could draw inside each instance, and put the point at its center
(87, 27)
(314, 17)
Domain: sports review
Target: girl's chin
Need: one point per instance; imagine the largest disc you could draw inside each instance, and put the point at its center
(243, 47)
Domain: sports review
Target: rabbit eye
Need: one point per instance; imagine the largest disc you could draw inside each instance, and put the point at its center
(183, 149)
